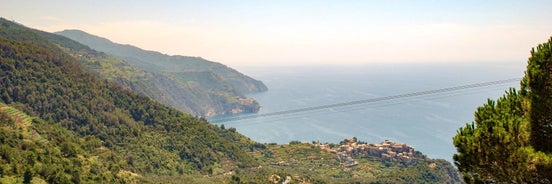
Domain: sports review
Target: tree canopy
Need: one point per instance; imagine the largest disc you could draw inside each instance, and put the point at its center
(510, 139)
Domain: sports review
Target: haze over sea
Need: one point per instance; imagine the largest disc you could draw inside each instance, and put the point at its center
(426, 122)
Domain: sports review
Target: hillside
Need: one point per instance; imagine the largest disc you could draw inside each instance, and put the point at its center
(350, 161)
(48, 153)
(45, 82)
(61, 124)
(196, 92)
(189, 83)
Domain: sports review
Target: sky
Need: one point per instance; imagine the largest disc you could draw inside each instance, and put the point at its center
(294, 32)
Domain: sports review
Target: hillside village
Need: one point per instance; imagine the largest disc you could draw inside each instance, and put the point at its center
(386, 150)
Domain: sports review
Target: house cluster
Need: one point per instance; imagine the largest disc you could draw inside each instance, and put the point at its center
(386, 150)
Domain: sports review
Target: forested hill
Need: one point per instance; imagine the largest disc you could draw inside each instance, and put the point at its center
(44, 152)
(61, 124)
(197, 92)
(41, 80)
(187, 81)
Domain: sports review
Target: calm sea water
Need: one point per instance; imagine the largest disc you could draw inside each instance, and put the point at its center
(426, 122)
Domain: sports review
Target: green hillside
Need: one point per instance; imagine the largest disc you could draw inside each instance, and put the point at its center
(62, 124)
(199, 91)
(191, 84)
(47, 83)
(33, 150)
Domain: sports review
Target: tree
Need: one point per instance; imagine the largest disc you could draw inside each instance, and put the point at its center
(537, 84)
(490, 147)
(510, 139)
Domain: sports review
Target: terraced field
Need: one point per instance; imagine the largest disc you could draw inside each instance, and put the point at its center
(23, 123)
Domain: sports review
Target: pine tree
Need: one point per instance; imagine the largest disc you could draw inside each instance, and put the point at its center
(537, 84)
(510, 139)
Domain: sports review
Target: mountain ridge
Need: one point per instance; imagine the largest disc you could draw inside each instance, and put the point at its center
(196, 96)
(159, 61)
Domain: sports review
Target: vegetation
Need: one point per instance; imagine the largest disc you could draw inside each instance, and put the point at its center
(47, 83)
(201, 87)
(308, 163)
(31, 150)
(537, 86)
(61, 124)
(509, 141)
(190, 84)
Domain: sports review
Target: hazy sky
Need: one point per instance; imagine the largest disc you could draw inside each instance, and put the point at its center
(244, 33)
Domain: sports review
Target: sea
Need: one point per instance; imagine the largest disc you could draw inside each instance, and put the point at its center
(426, 122)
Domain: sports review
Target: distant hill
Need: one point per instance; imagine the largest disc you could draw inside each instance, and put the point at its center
(155, 61)
(188, 83)
(198, 92)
